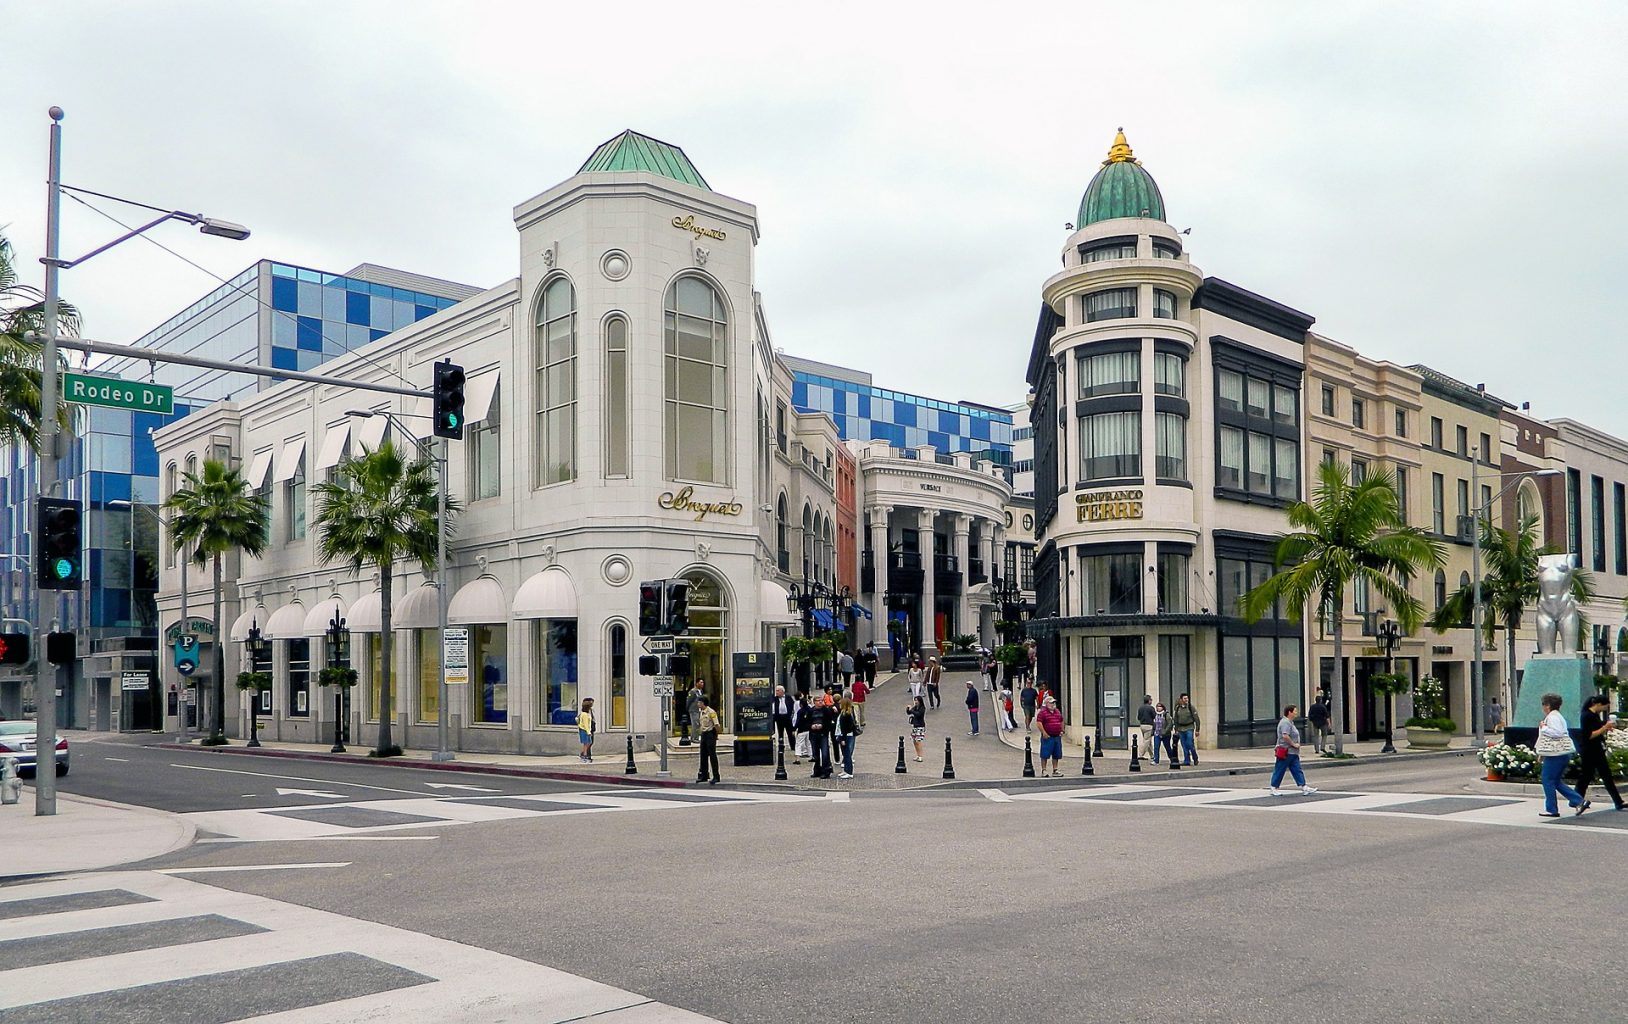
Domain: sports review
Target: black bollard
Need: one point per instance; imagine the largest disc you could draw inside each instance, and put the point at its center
(899, 769)
(1087, 768)
(780, 760)
(1136, 762)
(949, 767)
(631, 769)
(1099, 742)
(1028, 758)
(684, 731)
(1175, 762)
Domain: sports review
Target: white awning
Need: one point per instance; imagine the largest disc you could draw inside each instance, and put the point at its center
(286, 623)
(288, 460)
(771, 603)
(417, 609)
(478, 602)
(318, 618)
(255, 615)
(370, 432)
(259, 466)
(333, 446)
(548, 595)
(478, 397)
(365, 614)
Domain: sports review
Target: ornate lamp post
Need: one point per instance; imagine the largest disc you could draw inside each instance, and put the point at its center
(1389, 637)
(338, 659)
(257, 647)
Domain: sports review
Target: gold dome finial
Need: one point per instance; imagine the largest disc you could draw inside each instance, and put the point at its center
(1120, 151)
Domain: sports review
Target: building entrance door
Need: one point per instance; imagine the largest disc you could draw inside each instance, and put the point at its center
(1113, 702)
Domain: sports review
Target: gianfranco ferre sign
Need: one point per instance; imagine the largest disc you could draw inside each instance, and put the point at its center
(684, 501)
(1099, 506)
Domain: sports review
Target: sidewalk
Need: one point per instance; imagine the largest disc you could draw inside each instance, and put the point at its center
(85, 835)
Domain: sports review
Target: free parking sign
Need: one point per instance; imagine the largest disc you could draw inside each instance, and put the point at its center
(186, 654)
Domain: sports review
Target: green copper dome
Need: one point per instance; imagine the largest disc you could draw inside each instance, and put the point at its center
(1121, 189)
(631, 151)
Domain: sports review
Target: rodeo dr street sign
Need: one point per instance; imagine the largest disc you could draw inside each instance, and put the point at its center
(113, 393)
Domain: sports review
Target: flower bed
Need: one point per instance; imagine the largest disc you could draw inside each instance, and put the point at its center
(1520, 763)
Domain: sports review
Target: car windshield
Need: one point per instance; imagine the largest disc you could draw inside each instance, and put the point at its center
(16, 728)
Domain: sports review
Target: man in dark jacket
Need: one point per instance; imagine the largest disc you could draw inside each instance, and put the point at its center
(972, 706)
(1317, 715)
(1144, 725)
(822, 723)
(784, 713)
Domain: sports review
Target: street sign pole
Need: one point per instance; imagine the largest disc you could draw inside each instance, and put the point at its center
(666, 716)
(45, 680)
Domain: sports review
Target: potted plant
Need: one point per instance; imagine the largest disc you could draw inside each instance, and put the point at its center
(337, 675)
(255, 681)
(961, 653)
(1502, 761)
(1013, 659)
(1429, 727)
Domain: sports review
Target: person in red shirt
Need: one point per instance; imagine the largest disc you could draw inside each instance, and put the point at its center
(859, 692)
(1050, 721)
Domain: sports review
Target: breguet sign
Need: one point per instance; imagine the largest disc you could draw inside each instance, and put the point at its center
(1098, 506)
(687, 223)
(685, 501)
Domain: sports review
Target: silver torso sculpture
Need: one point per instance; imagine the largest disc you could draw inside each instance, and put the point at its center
(1558, 624)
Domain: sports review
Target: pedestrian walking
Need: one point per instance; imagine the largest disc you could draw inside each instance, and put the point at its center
(1185, 722)
(934, 677)
(1288, 753)
(917, 712)
(848, 730)
(1495, 716)
(585, 729)
(708, 725)
(1554, 750)
(1161, 729)
(972, 706)
(1318, 716)
(860, 692)
(845, 665)
(821, 726)
(1051, 737)
(805, 715)
(1028, 698)
(783, 711)
(1006, 710)
(692, 708)
(1144, 722)
(916, 677)
(1597, 721)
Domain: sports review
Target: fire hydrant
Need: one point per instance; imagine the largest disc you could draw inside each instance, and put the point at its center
(11, 785)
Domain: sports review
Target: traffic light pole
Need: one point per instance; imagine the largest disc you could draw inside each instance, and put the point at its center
(45, 676)
(442, 751)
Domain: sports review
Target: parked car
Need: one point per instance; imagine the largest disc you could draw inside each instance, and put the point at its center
(17, 740)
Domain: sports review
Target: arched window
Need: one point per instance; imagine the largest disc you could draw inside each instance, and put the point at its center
(171, 476)
(555, 356)
(1527, 506)
(830, 554)
(808, 532)
(819, 546)
(1441, 589)
(783, 548)
(616, 659)
(616, 419)
(696, 382)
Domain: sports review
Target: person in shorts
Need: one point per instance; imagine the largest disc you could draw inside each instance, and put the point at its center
(1050, 721)
(585, 729)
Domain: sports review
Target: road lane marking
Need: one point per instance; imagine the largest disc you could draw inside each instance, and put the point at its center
(309, 792)
(327, 839)
(254, 867)
(298, 778)
(121, 760)
(455, 785)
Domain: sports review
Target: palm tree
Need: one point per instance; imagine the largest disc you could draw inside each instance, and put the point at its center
(22, 312)
(380, 508)
(1509, 583)
(215, 512)
(1347, 532)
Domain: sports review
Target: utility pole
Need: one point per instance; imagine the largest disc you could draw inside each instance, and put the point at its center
(45, 681)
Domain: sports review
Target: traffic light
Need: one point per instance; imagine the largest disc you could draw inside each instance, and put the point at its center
(675, 616)
(58, 559)
(650, 608)
(449, 401)
(649, 665)
(678, 664)
(61, 648)
(15, 648)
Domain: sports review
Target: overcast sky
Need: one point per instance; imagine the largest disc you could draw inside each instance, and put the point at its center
(1433, 182)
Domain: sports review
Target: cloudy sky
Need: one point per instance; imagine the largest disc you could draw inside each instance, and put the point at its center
(1434, 182)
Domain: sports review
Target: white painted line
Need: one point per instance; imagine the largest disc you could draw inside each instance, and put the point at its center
(996, 795)
(121, 760)
(455, 785)
(296, 778)
(253, 867)
(838, 798)
(330, 839)
(309, 792)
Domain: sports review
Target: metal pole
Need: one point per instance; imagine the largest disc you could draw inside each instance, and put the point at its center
(666, 717)
(1476, 692)
(45, 782)
(186, 681)
(442, 752)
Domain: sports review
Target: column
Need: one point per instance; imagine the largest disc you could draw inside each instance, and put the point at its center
(879, 558)
(961, 526)
(929, 599)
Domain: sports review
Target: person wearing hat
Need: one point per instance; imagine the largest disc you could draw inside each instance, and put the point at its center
(1050, 721)
(1597, 721)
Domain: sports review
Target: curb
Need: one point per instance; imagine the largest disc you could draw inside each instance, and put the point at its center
(438, 766)
(187, 836)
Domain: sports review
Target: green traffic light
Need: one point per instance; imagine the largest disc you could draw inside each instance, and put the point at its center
(452, 419)
(63, 568)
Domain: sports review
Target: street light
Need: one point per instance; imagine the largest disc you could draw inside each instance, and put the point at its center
(442, 752)
(1478, 689)
(1389, 636)
(256, 647)
(45, 787)
(338, 658)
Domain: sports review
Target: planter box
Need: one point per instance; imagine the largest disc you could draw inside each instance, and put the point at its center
(1429, 739)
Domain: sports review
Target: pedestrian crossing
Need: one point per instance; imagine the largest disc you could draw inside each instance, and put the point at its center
(139, 947)
(1511, 811)
(339, 819)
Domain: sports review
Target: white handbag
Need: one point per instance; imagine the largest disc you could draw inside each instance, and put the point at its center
(1555, 746)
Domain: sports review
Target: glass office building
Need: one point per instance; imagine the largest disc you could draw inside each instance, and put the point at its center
(271, 315)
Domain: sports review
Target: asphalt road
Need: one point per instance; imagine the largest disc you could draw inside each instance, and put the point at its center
(966, 907)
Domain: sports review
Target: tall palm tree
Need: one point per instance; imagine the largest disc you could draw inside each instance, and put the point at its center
(1347, 532)
(215, 513)
(1509, 583)
(379, 508)
(22, 312)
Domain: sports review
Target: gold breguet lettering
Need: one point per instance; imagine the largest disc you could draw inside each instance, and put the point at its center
(687, 223)
(684, 501)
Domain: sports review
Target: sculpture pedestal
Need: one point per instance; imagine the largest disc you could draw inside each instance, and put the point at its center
(1569, 675)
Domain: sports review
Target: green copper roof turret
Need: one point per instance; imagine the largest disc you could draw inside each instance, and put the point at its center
(631, 151)
(1121, 189)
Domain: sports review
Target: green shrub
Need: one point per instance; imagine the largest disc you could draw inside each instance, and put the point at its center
(1441, 722)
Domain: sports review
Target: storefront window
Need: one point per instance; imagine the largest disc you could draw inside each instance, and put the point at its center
(299, 678)
(375, 645)
(556, 641)
(1111, 584)
(489, 671)
(1173, 574)
(618, 676)
(427, 673)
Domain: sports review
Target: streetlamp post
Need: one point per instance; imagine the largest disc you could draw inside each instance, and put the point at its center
(257, 650)
(1389, 635)
(45, 786)
(338, 658)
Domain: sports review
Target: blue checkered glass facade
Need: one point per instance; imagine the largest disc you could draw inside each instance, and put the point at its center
(863, 412)
(324, 315)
